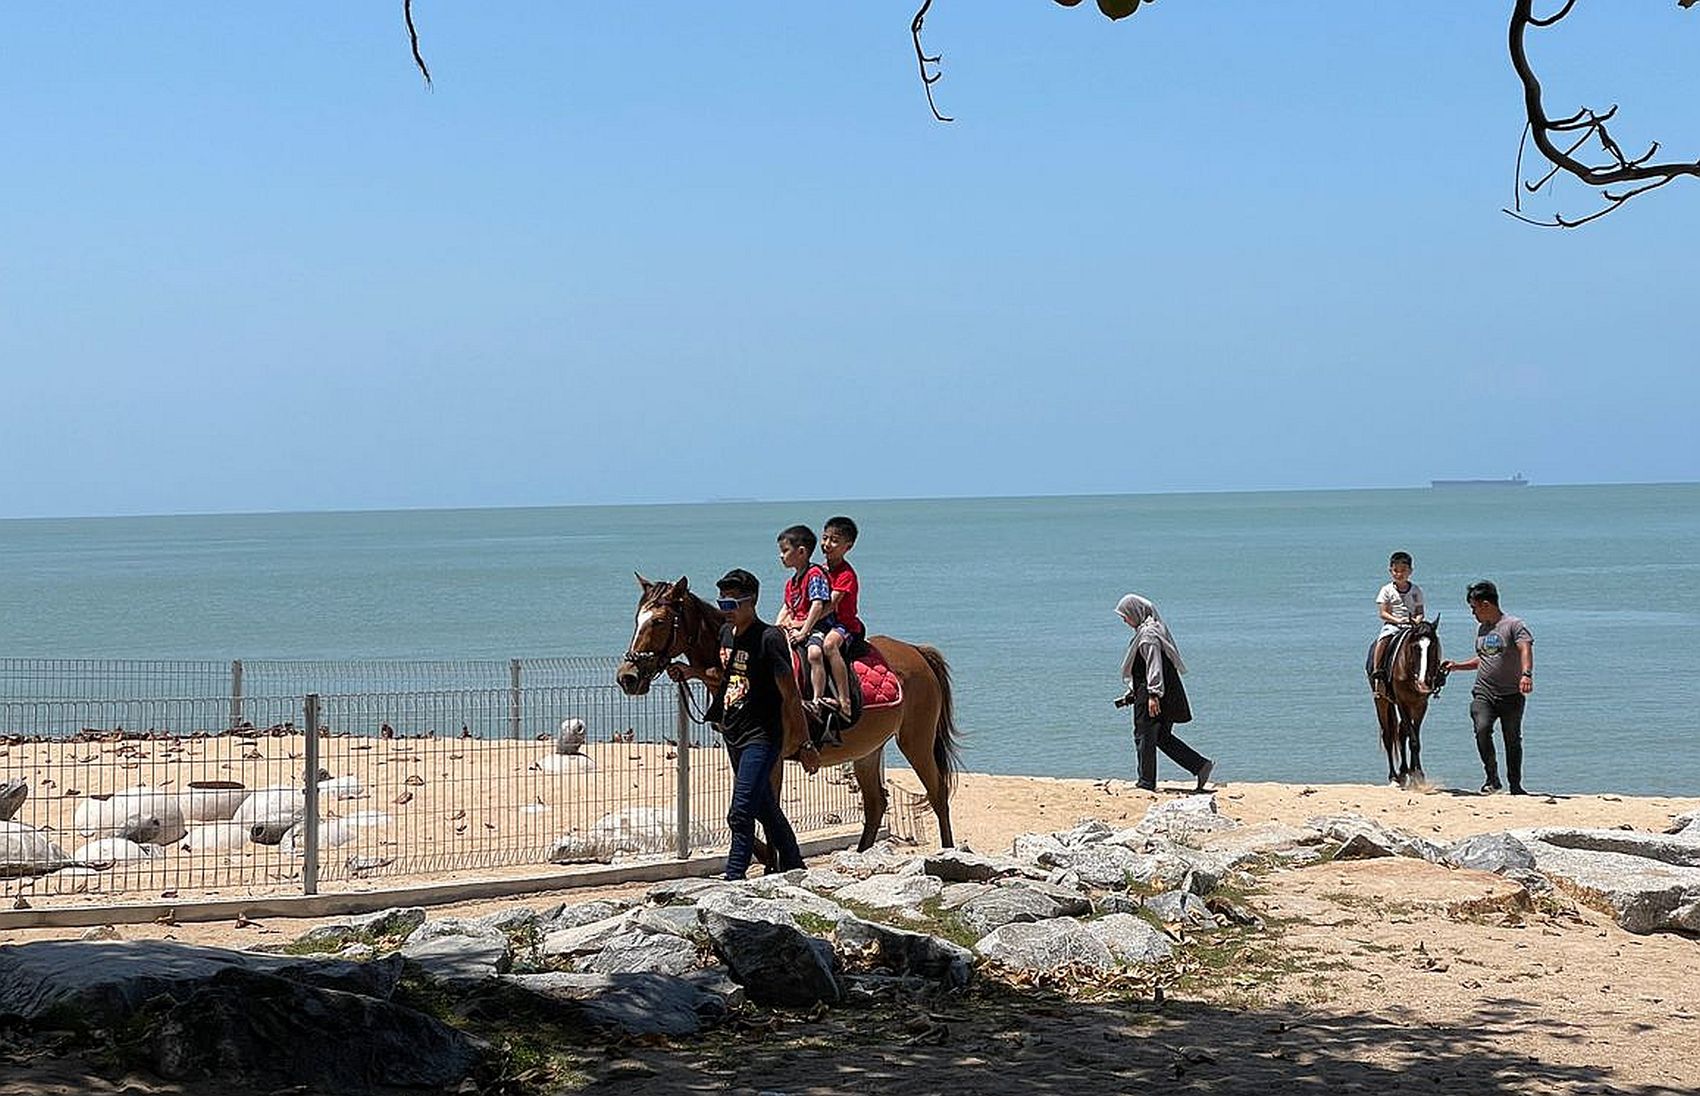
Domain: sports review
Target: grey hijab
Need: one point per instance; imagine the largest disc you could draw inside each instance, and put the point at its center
(1148, 624)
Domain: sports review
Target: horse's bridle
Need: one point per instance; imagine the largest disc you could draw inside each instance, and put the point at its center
(650, 663)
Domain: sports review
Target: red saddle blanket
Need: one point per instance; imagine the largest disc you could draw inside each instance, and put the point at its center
(881, 687)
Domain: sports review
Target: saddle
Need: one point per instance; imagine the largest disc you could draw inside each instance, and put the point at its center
(873, 684)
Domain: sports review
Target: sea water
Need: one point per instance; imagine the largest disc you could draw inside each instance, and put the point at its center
(1270, 596)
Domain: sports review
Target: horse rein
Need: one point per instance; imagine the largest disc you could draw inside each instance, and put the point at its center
(662, 658)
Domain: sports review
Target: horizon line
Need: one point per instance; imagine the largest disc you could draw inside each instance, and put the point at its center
(755, 501)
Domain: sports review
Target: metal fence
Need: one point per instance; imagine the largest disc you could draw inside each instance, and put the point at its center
(111, 789)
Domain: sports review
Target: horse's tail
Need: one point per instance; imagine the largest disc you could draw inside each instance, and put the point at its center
(947, 754)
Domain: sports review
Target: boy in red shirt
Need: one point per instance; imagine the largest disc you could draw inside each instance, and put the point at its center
(842, 631)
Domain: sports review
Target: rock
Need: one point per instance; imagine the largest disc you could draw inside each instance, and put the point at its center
(1008, 905)
(1499, 853)
(1116, 902)
(1031, 846)
(1685, 826)
(1089, 831)
(637, 830)
(570, 917)
(824, 879)
(1232, 913)
(636, 950)
(1185, 818)
(1107, 867)
(908, 952)
(675, 891)
(1181, 908)
(459, 958)
(13, 793)
(1276, 840)
(1044, 946)
(1647, 882)
(715, 980)
(245, 1027)
(960, 866)
(955, 894)
(886, 892)
(618, 1004)
(1361, 846)
(24, 850)
(1344, 827)
(398, 922)
(99, 983)
(577, 848)
(804, 903)
(678, 921)
(775, 962)
(585, 939)
(879, 857)
(514, 919)
(1130, 938)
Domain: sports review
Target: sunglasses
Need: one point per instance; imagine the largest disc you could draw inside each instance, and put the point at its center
(730, 604)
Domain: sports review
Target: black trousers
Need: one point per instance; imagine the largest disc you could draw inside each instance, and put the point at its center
(1151, 735)
(1508, 710)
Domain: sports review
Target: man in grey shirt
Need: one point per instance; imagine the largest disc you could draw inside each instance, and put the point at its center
(1505, 676)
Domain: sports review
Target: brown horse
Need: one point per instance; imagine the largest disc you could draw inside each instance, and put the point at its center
(1413, 679)
(674, 623)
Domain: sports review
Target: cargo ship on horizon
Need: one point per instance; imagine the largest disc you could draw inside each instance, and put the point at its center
(1509, 481)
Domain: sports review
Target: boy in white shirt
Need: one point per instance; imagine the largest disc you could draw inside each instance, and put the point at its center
(1400, 604)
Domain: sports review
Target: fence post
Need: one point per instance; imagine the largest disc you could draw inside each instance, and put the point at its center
(310, 849)
(235, 693)
(684, 739)
(513, 698)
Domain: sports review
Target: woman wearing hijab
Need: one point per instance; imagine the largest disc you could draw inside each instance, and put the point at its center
(1152, 670)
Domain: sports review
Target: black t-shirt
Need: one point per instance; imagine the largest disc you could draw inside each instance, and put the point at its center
(751, 700)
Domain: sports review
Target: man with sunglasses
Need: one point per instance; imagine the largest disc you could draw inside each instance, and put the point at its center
(756, 709)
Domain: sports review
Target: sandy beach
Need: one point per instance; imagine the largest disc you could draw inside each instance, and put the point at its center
(1380, 973)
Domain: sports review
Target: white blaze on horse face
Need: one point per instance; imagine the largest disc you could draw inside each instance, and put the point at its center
(1422, 665)
(644, 616)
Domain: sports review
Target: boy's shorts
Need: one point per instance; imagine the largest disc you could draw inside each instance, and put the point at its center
(851, 644)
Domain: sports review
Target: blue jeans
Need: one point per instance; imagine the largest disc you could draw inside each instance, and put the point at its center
(753, 801)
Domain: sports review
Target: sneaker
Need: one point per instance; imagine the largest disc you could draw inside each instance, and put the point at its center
(1204, 772)
(1517, 789)
(1491, 787)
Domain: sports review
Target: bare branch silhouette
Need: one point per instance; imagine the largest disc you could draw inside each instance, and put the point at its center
(1608, 167)
(922, 60)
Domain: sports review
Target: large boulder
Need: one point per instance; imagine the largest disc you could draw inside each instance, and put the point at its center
(1186, 819)
(881, 856)
(1499, 853)
(1181, 908)
(398, 922)
(453, 950)
(890, 892)
(1044, 946)
(100, 983)
(618, 1004)
(585, 939)
(1647, 882)
(1000, 906)
(1130, 938)
(637, 951)
(775, 961)
(907, 952)
(25, 850)
(1366, 837)
(245, 1027)
(962, 866)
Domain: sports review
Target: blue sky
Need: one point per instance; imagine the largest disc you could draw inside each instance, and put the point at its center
(668, 252)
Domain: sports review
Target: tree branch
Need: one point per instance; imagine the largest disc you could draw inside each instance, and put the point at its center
(1598, 172)
(922, 60)
(413, 40)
